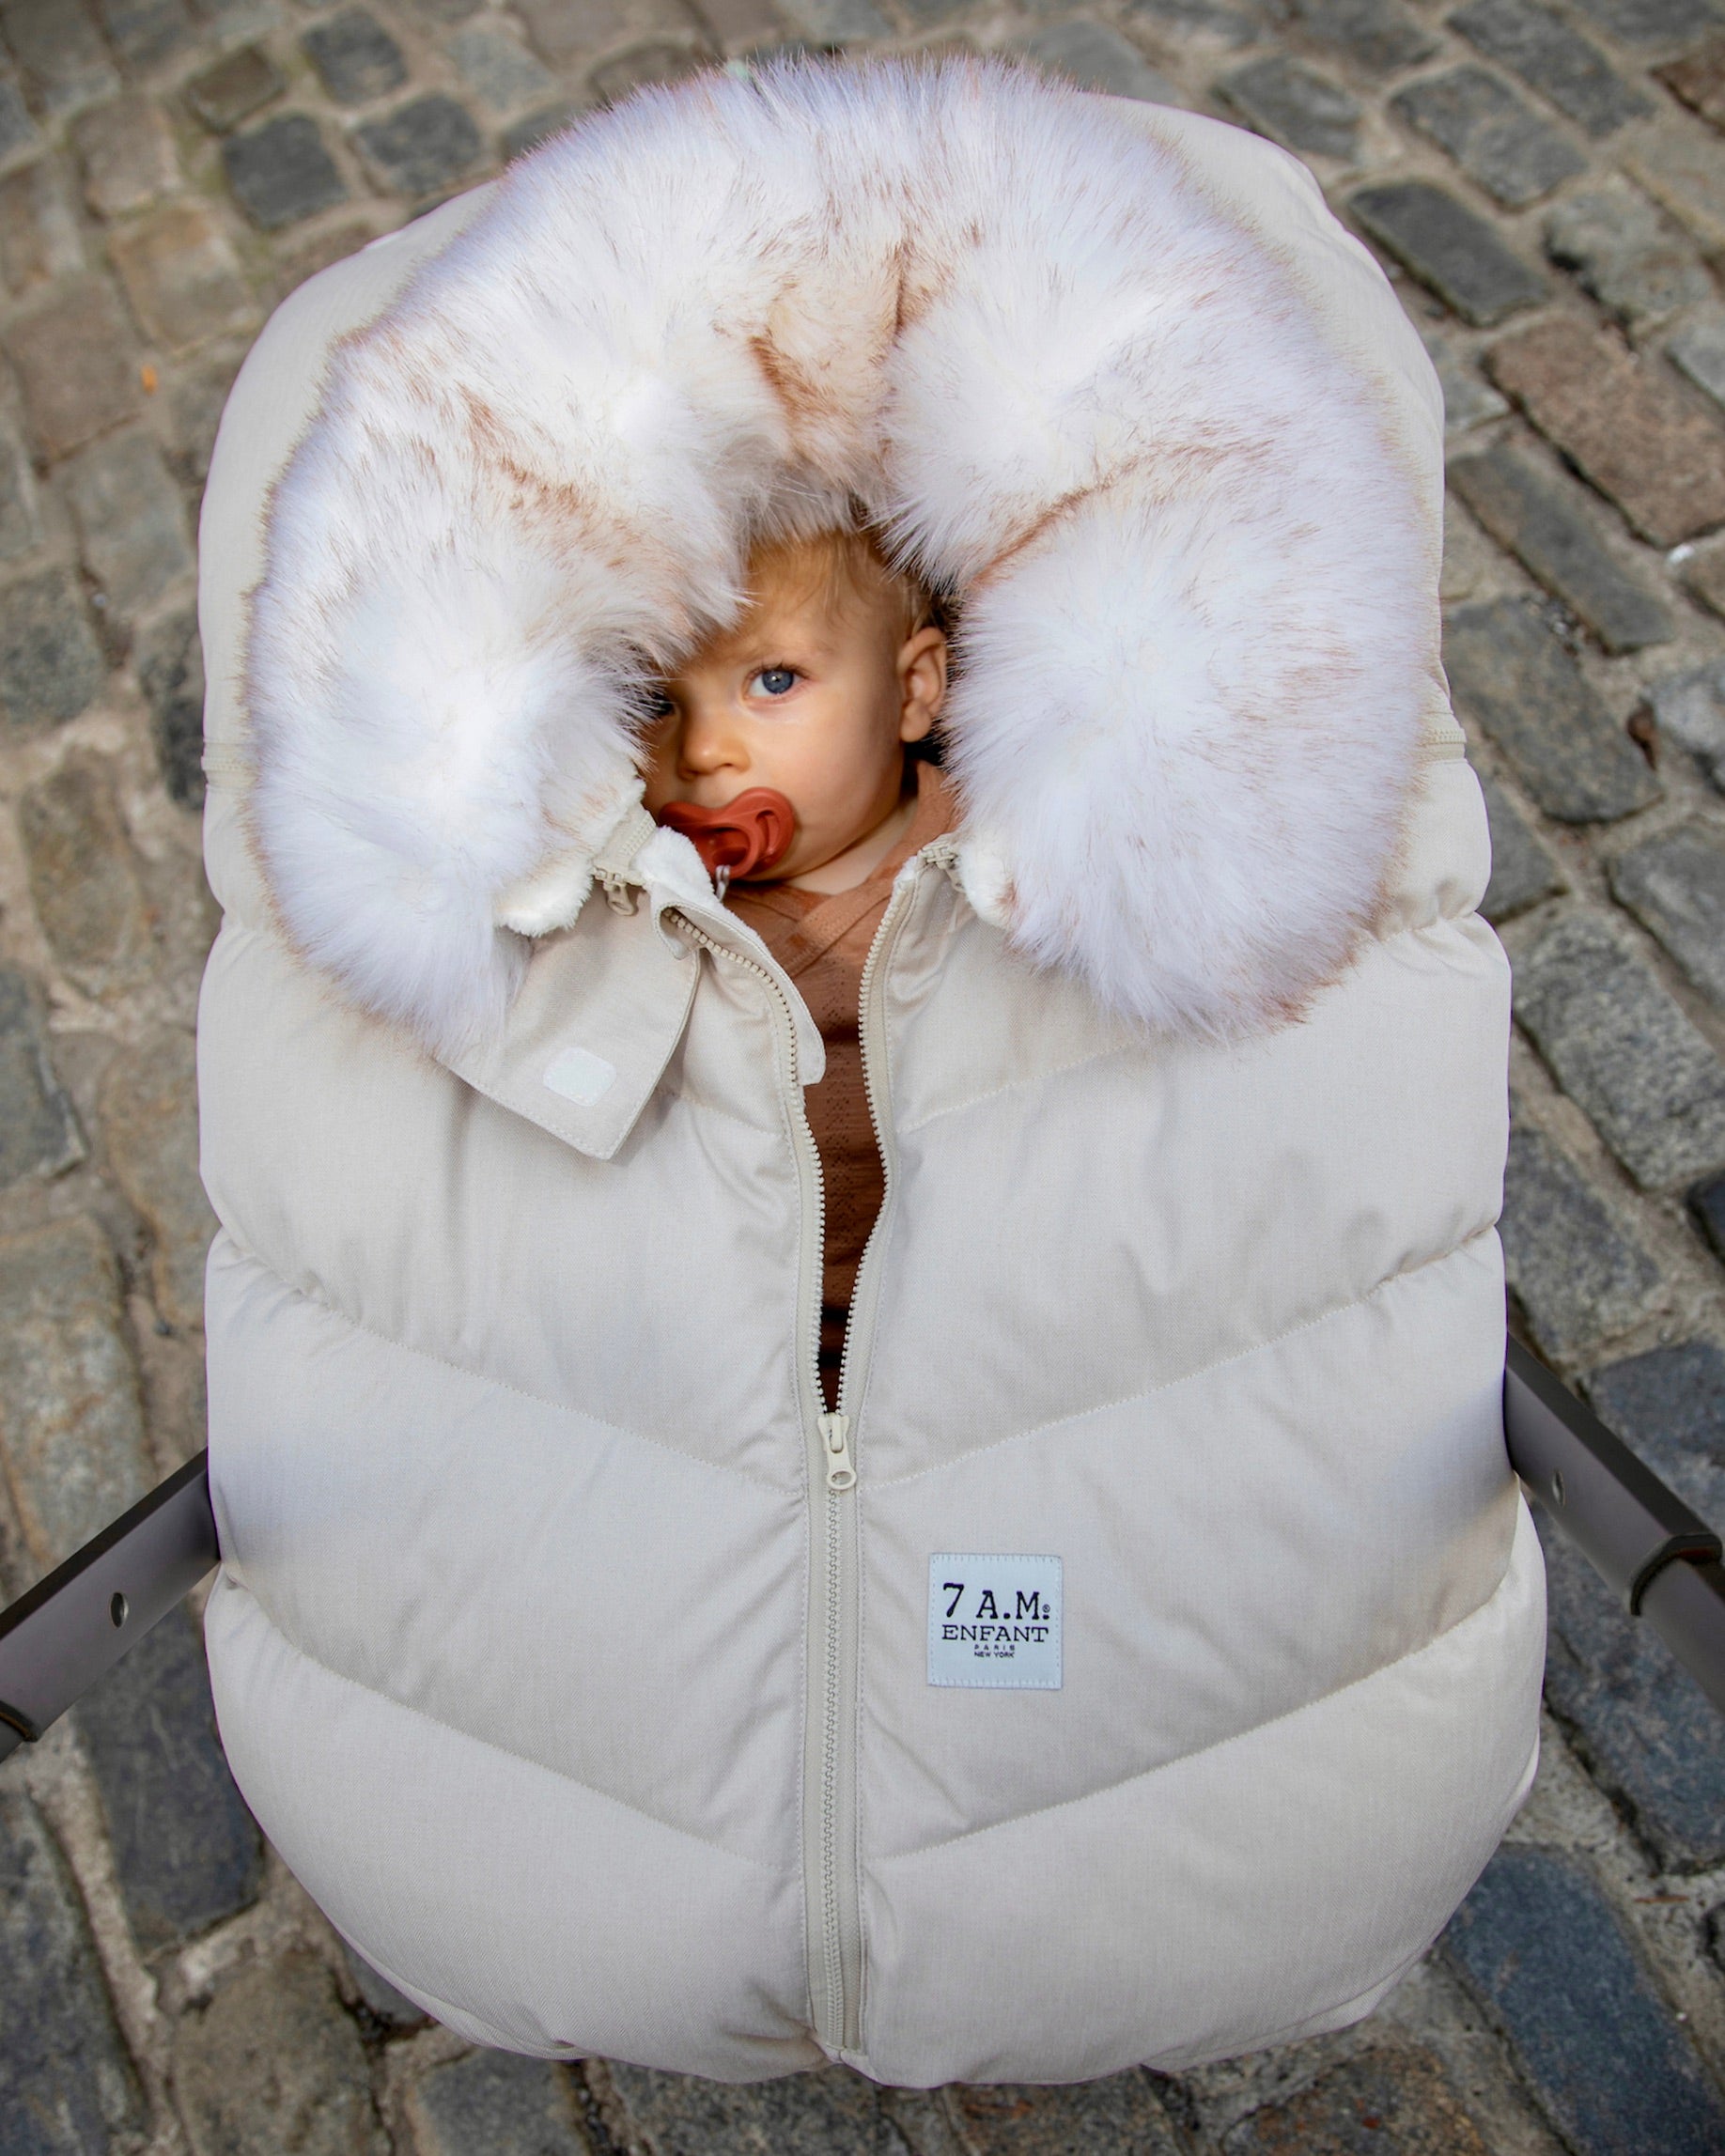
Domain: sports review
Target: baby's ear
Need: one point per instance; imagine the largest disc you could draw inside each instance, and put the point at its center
(922, 681)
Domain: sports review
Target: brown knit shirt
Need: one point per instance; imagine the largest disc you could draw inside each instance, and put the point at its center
(822, 941)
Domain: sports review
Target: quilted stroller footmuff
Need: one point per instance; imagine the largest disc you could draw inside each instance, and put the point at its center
(1170, 1666)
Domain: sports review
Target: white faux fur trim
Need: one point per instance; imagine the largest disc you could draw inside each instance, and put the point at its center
(1196, 584)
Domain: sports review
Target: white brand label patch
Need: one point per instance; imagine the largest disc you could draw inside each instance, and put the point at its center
(582, 1076)
(994, 1622)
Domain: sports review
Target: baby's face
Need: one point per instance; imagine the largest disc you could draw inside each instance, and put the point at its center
(814, 701)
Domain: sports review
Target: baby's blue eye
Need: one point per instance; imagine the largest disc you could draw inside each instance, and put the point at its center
(775, 680)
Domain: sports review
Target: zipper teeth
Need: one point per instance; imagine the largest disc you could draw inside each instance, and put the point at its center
(832, 1949)
(754, 966)
(832, 1942)
(941, 852)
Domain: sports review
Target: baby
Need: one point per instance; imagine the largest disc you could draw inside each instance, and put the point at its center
(819, 694)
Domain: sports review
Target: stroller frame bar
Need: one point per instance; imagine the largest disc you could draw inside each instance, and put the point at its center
(75, 1625)
(1657, 1556)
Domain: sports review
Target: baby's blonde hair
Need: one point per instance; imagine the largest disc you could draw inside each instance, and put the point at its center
(836, 568)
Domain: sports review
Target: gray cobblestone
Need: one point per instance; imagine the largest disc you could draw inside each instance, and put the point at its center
(1676, 887)
(833, 2113)
(186, 1850)
(84, 878)
(1622, 1048)
(66, 2087)
(149, 1123)
(423, 146)
(1543, 520)
(182, 275)
(1512, 675)
(233, 20)
(567, 33)
(1683, 167)
(20, 522)
(356, 57)
(39, 240)
(1384, 2099)
(742, 25)
(536, 127)
(75, 366)
(235, 89)
(1553, 59)
(1214, 22)
(1630, 259)
(1690, 708)
(1294, 105)
(126, 150)
(1449, 248)
(1549, 1959)
(273, 2067)
(1697, 346)
(658, 61)
(1100, 59)
(1523, 873)
(838, 21)
(195, 402)
(1669, 1404)
(1578, 1276)
(499, 69)
(39, 1131)
(130, 519)
(381, 1998)
(146, 33)
(19, 134)
(1378, 35)
(69, 1420)
(281, 172)
(1122, 2113)
(502, 2105)
(57, 45)
(1652, 22)
(1490, 134)
(51, 665)
(1644, 1726)
(1469, 398)
(171, 675)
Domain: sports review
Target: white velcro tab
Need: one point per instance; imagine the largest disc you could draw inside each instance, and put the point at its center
(994, 1622)
(582, 1076)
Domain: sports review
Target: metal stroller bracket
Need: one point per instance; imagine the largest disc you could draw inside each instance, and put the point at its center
(1646, 1544)
(73, 1626)
(1650, 1548)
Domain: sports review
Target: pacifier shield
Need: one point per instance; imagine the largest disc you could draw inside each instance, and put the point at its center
(744, 838)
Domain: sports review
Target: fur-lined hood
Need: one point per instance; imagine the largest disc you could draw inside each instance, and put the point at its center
(1195, 562)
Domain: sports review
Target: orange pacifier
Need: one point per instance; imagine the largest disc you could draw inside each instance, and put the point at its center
(745, 837)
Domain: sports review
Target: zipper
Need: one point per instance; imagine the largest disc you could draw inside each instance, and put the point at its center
(841, 1928)
(831, 1477)
(829, 1807)
(808, 1167)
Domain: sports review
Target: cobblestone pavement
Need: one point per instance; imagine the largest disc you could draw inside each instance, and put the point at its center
(1547, 187)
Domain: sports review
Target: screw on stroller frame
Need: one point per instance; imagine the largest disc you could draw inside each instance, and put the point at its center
(1644, 1542)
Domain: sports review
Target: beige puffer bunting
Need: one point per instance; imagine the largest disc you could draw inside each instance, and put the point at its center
(1145, 1660)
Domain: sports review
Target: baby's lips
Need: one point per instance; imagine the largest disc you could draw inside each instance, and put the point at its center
(747, 836)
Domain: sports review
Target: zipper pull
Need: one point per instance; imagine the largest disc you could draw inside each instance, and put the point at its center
(835, 1436)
